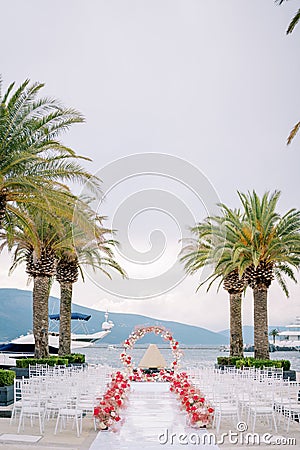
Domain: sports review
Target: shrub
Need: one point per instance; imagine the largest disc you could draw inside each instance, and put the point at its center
(6, 377)
(227, 360)
(261, 363)
(78, 358)
(51, 361)
(252, 362)
(286, 364)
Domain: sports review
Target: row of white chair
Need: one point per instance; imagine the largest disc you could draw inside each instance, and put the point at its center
(249, 394)
(60, 394)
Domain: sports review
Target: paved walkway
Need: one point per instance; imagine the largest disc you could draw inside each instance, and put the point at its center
(152, 417)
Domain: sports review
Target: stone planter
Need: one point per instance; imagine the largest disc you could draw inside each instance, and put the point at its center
(222, 367)
(20, 372)
(291, 374)
(6, 395)
(78, 365)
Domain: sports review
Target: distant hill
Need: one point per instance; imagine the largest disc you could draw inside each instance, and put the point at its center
(16, 319)
(248, 333)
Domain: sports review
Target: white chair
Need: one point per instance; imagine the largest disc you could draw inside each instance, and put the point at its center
(292, 412)
(289, 405)
(17, 399)
(37, 370)
(225, 405)
(261, 405)
(31, 406)
(69, 410)
(55, 402)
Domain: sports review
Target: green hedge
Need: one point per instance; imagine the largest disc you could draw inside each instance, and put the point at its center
(52, 361)
(252, 362)
(261, 363)
(227, 360)
(6, 377)
(75, 358)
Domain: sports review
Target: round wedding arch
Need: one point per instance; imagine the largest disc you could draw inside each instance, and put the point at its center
(138, 333)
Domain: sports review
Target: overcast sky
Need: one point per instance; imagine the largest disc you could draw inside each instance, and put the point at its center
(214, 83)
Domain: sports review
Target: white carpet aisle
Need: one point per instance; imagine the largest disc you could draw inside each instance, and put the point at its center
(152, 411)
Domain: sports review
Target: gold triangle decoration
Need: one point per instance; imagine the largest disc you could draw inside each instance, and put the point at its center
(152, 359)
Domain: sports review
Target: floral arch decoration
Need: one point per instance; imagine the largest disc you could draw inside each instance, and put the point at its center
(139, 333)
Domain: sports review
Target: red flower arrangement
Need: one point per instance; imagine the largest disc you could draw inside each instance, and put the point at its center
(140, 332)
(140, 375)
(198, 408)
(107, 410)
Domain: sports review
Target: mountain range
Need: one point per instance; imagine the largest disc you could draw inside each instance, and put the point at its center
(16, 319)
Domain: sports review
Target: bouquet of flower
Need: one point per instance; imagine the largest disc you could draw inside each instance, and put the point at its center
(105, 414)
(107, 410)
(142, 375)
(136, 375)
(198, 408)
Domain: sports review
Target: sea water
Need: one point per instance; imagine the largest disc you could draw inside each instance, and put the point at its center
(191, 356)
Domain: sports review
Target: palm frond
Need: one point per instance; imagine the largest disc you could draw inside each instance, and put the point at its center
(293, 133)
(293, 22)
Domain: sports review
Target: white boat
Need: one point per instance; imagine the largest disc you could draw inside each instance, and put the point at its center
(111, 347)
(224, 348)
(290, 338)
(25, 343)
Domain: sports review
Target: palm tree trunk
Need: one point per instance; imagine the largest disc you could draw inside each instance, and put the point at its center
(236, 330)
(261, 336)
(65, 318)
(41, 291)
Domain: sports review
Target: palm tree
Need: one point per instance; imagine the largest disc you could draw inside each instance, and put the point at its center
(235, 286)
(32, 159)
(267, 246)
(34, 164)
(67, 270)
(274, 333)
(213, 246)
(53, 239)
(39, 256)
(87, 248)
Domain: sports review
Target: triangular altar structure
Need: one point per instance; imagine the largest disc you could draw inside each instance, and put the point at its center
(152, 359)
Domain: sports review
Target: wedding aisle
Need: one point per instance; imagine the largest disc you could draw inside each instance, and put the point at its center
(153, 420)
